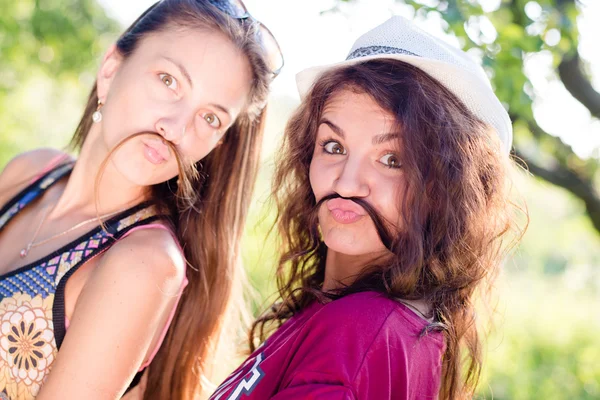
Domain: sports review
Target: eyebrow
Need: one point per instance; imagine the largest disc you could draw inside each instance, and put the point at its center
(377, 140)
(383, 138)
(181, 68)
(221, 108)
(333, 127)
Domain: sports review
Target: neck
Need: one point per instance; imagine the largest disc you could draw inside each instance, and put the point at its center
(343, 269)
(86, 195)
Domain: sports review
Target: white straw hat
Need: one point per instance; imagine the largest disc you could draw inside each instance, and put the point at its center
(399, 39)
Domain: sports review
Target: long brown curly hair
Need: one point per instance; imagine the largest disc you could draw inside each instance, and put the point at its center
(458, 220)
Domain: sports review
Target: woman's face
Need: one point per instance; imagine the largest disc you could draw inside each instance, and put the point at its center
(188, 86)
(356, 155)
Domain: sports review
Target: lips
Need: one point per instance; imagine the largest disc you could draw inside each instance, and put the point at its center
(345, 211)
(156, 151)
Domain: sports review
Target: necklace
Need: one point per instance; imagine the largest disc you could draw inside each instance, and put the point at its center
(33, 243)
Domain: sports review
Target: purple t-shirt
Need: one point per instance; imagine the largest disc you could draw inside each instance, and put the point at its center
(362, 346)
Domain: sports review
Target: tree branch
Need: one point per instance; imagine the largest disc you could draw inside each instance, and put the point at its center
(572, 74)
(578, 84)
(567, 178)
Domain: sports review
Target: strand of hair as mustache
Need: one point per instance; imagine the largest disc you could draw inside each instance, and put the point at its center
(379, 221)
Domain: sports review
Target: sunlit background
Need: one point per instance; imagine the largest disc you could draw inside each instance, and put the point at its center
(545, 345)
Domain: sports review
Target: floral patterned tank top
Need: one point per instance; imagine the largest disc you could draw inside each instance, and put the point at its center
(32, 298)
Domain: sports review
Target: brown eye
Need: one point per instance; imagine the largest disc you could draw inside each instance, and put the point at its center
(390, 160)
(333, 147)
(212, 120)
(168, 80)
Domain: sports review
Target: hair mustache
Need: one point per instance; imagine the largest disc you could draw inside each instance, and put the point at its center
(379, 221)
(188, 174)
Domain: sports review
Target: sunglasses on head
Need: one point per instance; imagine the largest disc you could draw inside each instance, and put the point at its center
(237, 9)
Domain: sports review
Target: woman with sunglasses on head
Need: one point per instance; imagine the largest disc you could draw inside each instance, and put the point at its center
(392, 207)
(124, 261)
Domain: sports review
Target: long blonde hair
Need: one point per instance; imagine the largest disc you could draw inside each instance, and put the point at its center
(209, 223)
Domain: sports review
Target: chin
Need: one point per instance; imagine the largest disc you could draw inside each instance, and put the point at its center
(139, 174)
(351, 243)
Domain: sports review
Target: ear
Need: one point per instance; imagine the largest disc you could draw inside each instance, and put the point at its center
(108, 69)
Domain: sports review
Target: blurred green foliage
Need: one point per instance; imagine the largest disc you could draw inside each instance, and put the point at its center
(547, 344)
(48, 54)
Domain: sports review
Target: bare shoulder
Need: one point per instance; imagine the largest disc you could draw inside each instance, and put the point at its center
(29, 163)
(119, 314)
(149, 257)
(22, 168)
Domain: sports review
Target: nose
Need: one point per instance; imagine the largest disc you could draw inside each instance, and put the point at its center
(172, 129)
(351, 180)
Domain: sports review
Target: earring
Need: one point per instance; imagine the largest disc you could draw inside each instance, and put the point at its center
(97, 115)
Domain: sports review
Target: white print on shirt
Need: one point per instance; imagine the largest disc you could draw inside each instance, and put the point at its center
(246, 386)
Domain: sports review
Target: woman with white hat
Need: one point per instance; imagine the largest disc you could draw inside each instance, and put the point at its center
(393, 212)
